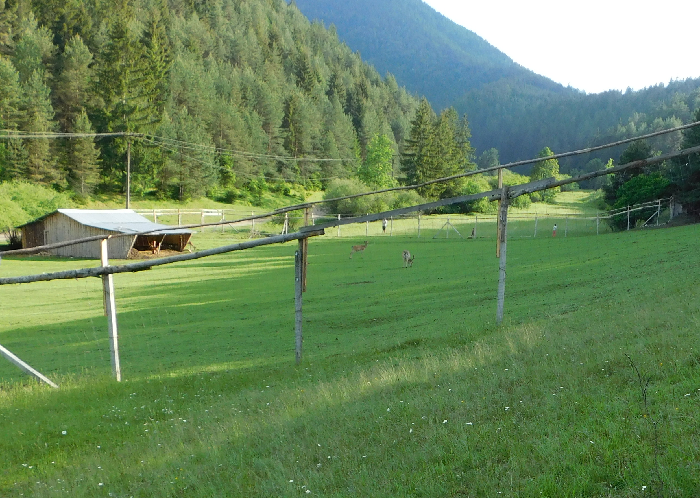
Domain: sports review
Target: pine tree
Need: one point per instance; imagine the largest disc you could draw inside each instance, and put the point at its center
(73, 84)
(7, 21)
(419, 157)
(33, 50)
(190, 171)
(38, 115)
(83, 158)
(12, 153)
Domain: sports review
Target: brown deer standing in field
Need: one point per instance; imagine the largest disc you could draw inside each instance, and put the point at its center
(358, 248)
(408, 259)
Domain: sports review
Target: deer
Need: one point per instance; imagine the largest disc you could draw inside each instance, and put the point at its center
(358, 248)
(408, 259)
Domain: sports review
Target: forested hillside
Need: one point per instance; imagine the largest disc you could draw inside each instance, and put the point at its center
(509, 108)
(268, 97)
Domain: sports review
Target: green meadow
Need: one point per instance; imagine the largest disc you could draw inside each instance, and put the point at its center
(589, 388)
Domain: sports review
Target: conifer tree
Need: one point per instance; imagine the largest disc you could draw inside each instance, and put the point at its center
(190, 171)
(33, 50)
(419, 157)
(7, 20)
(73, 83)
(83, 158)
(12, 152)
(38, 115)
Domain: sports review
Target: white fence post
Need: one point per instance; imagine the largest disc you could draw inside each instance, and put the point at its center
(338, 226)
(535, 235)
(110, 312)
(24, 366)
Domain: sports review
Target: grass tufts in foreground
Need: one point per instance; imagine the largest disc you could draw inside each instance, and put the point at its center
(407, 388)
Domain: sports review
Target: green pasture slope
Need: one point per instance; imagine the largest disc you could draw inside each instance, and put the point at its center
(590, 388)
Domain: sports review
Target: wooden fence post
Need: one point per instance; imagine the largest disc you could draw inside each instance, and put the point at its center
(658, 213)
(338, 226)
(304, 246)
(223, 218)
(155, 216)
(110, 312)
(597, 223)
(498, 224)
(179, 218)
(628, 217)
(535, 235)
(298, 293)
(202, 220)
(502, 225)
(671, 207)
(476, 222)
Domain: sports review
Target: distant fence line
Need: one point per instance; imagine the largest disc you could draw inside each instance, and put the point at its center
(414, 223)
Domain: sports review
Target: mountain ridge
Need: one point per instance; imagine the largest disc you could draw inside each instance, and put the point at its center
(509, 107)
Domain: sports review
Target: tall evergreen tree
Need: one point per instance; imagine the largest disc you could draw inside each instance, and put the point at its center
(12, 152)
(73, 84)
(419, 158)
(34, 49)
(7, 21)
(41, 166)
(191, 171)
(83, 158)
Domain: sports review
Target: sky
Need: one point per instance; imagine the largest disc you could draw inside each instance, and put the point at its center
(594, 46)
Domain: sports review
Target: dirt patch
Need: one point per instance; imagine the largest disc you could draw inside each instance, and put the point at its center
(135, 254)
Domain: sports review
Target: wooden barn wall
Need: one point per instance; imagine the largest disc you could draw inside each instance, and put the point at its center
(33, 235)
(59, 227)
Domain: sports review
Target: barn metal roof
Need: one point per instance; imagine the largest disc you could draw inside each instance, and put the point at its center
(117, 220)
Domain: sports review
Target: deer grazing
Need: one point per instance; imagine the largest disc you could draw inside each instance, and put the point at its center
(358, 248)
(408, 259)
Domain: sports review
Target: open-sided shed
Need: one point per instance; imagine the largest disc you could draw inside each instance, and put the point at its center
(70, 224)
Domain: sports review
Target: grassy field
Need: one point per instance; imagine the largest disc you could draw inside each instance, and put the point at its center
(589, 388)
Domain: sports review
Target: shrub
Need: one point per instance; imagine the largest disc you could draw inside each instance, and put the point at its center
(367, 204)
(21, 202)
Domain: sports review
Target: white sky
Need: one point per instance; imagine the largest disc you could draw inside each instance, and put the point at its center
(595, 45)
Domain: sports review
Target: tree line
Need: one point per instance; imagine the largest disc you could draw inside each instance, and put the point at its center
(241, 95)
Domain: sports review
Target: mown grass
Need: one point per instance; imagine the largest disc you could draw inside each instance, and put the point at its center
(407, 387)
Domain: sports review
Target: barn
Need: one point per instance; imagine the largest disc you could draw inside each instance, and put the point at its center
(70, 224)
